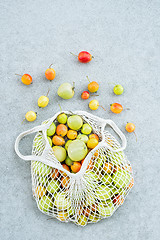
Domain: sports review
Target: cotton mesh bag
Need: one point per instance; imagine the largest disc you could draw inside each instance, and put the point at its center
(93, 193)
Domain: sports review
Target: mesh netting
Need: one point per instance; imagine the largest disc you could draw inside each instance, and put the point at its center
(87, 196)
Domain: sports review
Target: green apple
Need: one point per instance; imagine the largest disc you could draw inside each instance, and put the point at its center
(94, 218)
(43, 180)
(51, 130)
(107, 179)
(86, 129)
(66, 91)
(61, 202)
(71, 211)
(53, 186)
(91, 178)
(45, 203)
(106, 202)
(106, 210)
(75, 122)
(118, 89)
(68, 161)
(82, 220)
(62, 118)
(37, 139)
(41, 169)
(60, 153)
(50, 141)
(103, 192)
(77, 150)
(114, 190)
(121, 178)
(67, 144)
(83, 137)
(98, 163)
(116, 158)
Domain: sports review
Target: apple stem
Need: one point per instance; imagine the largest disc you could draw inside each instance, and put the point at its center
(60, 107)
(112, 83)
(102, 107)
(48, 92)
(49, 218)
(88, 78)
(126, 109)
(50, 65)
(23, 121)
(74, 54)
(135, 135)
(18, 74)
(73, 86)
(71, 112)
(92, 56)
(92, 95)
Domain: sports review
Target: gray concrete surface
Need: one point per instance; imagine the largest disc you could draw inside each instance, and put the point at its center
(124, 37)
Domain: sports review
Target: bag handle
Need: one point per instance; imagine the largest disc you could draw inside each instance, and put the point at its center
(119, 133)
(25, 133)
(34, 157)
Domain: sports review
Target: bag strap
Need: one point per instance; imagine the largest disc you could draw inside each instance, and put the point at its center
(119, 133)
(25, 133)
(34, 157)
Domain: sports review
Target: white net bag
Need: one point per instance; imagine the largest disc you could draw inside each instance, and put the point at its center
(93, 193)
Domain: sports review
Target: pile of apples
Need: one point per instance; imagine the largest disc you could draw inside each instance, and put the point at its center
(71, 139)
(107, 178)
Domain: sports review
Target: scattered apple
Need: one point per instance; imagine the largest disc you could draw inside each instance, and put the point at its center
(118, 89)
(31, 116)
(66, 91)
(50, 73)
(85, 95)
(43, 101)
(84, 57)
(25, 78)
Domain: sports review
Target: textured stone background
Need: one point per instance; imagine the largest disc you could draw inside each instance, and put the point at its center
(124, 37)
